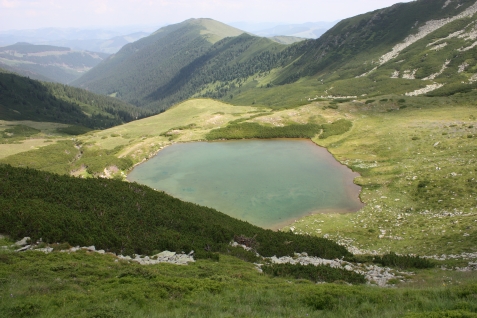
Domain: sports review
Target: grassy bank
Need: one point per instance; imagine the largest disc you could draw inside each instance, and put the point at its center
(92, 285)
(417, 166)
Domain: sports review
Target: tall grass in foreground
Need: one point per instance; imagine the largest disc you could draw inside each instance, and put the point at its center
(92, 285)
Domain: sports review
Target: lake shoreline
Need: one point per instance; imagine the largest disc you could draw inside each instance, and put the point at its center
(351, 189)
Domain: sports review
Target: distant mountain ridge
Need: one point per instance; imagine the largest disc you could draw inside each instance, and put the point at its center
(309, 30)
(47, 62)
(419, 47)
(107, 41)
(139, 68)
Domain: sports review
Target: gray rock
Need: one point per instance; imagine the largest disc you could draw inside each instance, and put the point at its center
(165, 254)
(25, 248)
(45, 250)
(23, 241)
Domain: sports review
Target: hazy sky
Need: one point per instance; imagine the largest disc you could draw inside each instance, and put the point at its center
(32, 14)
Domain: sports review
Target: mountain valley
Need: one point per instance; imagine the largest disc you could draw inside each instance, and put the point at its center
(391, 94)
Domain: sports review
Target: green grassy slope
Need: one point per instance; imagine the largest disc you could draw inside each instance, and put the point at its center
(86, 284)
(220, 71)
(346, 61)
(142, 67)
(366, 37)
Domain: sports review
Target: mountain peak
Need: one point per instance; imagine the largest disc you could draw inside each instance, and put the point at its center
(213, 30)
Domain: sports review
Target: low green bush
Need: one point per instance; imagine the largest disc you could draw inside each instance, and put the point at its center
(336, 128)
(254, 130)
(320, 273)
(130, 218)
(403, 261)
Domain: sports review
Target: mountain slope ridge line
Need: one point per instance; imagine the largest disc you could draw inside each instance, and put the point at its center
(426, 29)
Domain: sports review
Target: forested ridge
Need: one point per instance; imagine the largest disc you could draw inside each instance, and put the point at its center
(23, 98)
(224, 69)
(139, 68)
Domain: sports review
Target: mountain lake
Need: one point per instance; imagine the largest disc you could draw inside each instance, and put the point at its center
(269, 183)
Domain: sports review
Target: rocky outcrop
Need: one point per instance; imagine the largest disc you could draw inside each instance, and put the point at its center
(425, 90)
(425, 30)
(24, 241)
(374, 274)
(163, 257)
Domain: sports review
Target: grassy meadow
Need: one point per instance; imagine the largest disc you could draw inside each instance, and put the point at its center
(417, 166)
(84, 284)
(416, 157)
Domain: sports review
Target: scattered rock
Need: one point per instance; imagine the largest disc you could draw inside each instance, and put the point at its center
(374, 274)
(24, 241)
(163, 257)
(425, 90)
(25, 248)
(165, 254)
(45, 250)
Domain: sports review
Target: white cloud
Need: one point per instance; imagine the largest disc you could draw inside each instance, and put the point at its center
(9, 4)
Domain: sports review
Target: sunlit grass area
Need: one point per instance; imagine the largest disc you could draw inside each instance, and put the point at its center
(416, 157)
(417, 167)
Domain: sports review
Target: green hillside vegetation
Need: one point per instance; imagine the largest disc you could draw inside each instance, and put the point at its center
(46, 62)
(415, 156)
(84, 284)
(22, 98)
(140, 68)
(345, 61)
(395, 144)
(130, 218)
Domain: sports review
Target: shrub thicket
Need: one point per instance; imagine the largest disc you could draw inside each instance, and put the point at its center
(403, 261)
(320, 273)
(336, 128)
(254, 130)
(130, 218)
(246, 130)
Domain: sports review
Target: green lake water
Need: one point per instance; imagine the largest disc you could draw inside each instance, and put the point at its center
(269, 183)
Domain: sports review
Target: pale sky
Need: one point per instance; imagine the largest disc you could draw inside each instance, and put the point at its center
(33, 14)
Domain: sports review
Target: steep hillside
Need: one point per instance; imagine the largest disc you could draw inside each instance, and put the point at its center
(140, 68)
(221, 71)
(415, 40)
(46, 62)
(130, 218)
(410, 48)
(23, 98)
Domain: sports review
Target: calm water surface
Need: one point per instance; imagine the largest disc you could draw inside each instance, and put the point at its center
(268, 183)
